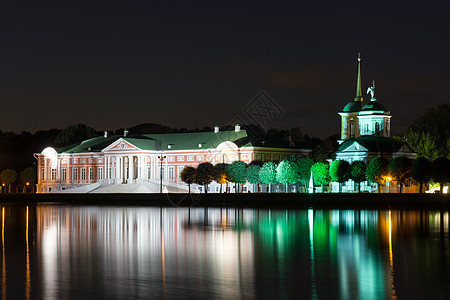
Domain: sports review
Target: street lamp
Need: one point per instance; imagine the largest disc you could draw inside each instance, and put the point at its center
(161, 159)
(389, 179)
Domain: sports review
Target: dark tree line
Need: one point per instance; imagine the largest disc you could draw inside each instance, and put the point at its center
(429, 135)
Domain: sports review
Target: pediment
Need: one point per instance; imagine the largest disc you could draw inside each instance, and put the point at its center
(355, 147)
(405, 149)
(121, 145)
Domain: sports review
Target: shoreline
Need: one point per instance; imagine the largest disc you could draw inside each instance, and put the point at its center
(244, 200)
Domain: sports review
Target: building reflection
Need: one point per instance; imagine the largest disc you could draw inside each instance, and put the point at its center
(4, 276)
(115, 252)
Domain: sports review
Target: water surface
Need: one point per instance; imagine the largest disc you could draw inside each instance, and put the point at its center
(101, 252)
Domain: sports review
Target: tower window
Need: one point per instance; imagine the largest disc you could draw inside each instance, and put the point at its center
(377, 126)
(351, 128)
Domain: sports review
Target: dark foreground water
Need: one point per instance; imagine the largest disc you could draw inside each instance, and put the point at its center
(102, 252)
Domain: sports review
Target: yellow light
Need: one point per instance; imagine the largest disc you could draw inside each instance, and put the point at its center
(389, 178)
(28, 183)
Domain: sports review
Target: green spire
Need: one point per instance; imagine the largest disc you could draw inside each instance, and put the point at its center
(358, 81)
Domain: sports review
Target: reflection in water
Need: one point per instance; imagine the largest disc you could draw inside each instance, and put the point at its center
(146, 252)
(3, 256)
(311, 246)
(391, 257)
(27, 276)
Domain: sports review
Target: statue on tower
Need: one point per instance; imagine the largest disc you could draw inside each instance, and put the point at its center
(371, 90)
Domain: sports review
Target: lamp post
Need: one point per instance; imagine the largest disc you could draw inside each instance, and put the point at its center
(161, 159)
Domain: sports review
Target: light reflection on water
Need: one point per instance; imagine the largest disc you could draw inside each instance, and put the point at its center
(72, 252)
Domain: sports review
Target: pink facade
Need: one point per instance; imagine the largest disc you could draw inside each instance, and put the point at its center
(123, 162)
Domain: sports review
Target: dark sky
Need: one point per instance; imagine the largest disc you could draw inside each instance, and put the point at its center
(116, 64)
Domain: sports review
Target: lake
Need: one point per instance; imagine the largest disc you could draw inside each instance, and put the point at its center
(65, 251)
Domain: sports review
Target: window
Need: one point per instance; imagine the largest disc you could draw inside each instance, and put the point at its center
(367, 129)
(83, 173)
(171, 172)
(377, 126)
(75, 174)
(100, 173)
(43, 174)
(161, 172)
(149, 172)
(91, 173)
(180, 169)
(109, 172)
(53, 174)
(63, 174)
(351, 129)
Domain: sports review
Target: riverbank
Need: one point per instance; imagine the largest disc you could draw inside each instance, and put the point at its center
(263, 200)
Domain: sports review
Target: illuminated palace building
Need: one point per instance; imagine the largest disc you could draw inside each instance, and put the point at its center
(102, 164)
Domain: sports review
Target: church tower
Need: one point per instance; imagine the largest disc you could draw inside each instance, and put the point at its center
(349, 115)
(374, 118)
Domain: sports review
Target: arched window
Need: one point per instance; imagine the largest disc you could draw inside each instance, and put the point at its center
(377, 126)
(351, 124)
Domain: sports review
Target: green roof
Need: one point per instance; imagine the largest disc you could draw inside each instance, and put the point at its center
(353, 106)
(177, 141)
(374, 106)
(374, 144)
(93, 145)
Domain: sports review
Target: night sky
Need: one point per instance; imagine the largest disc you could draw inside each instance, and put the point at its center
(192, 64)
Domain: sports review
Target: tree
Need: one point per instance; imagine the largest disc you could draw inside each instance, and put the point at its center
(440, 171)
(377, 170)
(8, 177)
(253, 173)
(220, 174)
(27, 175)
(319, 154)
(304, 171)
(400, 169)
(268, 174)
(188, 175)
(287, 173)
(339, 172)
(429, 135)
(421, 171)
(204, 175)
(358, 172)
(236, 171)
(75, 133)
(321, 173)
(423, 143)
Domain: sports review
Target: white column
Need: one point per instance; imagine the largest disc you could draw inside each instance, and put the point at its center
(139, 169)
(119, 169)
(130, 169)
(105, 168)
(122, 167)
(114, 170)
